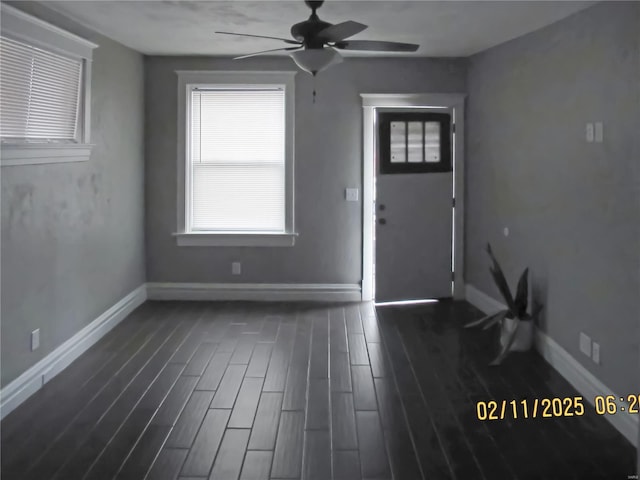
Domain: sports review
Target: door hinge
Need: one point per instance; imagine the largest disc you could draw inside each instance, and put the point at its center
(453, 202)
(453, 276)
(453, 128)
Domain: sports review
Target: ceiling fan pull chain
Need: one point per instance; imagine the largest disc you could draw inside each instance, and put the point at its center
(314, 89)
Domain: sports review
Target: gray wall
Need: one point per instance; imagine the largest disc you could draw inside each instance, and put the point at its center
(328, 158)
(72, 233)
(573, 207)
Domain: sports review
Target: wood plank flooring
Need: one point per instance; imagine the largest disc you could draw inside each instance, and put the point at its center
(238, 390)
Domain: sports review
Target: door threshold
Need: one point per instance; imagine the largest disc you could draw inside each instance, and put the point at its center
(406, 302)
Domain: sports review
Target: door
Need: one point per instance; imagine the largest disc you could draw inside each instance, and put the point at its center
(413, 204)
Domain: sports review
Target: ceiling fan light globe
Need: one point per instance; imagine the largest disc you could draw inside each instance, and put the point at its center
(317, 59)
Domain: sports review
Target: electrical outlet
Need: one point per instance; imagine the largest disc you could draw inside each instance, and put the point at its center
(595, 352)
(35, 339)
(585, 344)
(236, 268)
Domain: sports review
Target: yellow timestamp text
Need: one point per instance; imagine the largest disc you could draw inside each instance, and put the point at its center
(609, 404)
(536, 408)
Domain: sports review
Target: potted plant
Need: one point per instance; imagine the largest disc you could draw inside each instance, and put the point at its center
(516, 323)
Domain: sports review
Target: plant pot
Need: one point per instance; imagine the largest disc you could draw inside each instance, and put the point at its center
(524, 335)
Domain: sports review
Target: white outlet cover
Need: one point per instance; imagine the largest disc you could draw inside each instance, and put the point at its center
(236, 268)
(585, 344)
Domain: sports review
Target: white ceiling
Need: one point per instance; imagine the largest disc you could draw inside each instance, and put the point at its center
(444, 28)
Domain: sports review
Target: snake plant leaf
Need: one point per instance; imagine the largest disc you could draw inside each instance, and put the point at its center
(505, 349)
(522, 294)
(488, 318)
(536, 309)
(500, 281)
(498, 318)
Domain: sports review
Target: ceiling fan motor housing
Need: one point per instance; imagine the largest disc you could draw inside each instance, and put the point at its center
(307, 31)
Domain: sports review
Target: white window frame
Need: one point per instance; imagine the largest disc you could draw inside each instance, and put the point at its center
(30, 30)
(187, 80)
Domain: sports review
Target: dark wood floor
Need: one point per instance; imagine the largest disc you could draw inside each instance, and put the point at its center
(259, 391)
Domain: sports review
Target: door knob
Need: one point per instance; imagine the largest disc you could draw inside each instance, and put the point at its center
(383, 221)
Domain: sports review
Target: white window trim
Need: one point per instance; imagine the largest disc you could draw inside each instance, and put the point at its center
(186, 80)
(33, 31)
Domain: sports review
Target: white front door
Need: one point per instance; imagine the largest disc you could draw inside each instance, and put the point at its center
(413, 204)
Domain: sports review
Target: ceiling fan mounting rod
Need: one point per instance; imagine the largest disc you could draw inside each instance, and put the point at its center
(314, 5)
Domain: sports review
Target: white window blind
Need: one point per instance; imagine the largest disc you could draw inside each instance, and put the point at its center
(237, 159)
(39, 93)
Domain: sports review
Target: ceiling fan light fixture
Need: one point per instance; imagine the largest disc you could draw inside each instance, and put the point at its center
(314, 60)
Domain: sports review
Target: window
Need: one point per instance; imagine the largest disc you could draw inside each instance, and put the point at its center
(415, 142)
(39, 94)
(44, 92)
(236, 159)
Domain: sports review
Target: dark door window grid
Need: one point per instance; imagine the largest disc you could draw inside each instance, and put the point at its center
(414, 142)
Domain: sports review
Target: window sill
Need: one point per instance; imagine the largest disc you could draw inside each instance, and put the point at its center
(236, 239)
(39, 153)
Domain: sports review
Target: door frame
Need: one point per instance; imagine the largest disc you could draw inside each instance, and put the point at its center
(371, 101)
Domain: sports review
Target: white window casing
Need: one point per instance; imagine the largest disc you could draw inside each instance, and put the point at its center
(45, 92)
(235, 158)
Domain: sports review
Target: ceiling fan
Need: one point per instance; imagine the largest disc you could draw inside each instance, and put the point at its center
(316, 42)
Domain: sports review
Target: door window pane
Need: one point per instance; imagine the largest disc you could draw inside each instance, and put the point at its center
(414, 142)
(398, 142)
(432, 142)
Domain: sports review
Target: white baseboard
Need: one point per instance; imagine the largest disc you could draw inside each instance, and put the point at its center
(35, 377)
(567, 366)
(259, 292)
(585, 382)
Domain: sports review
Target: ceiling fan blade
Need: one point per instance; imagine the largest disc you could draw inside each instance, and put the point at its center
(267, 51)
(340, 31)
(374, 46)
(286, 40)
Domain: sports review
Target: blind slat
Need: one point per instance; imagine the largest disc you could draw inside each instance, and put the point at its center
(237, 145)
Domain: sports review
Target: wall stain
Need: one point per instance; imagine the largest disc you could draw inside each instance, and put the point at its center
(20, 205)
(95, 183)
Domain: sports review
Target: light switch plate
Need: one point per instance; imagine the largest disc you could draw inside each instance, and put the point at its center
(585, 344)
(351, 194)
(35, 339)
(595, 352)
(236, 268)
(599, 132)
(590, 132)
